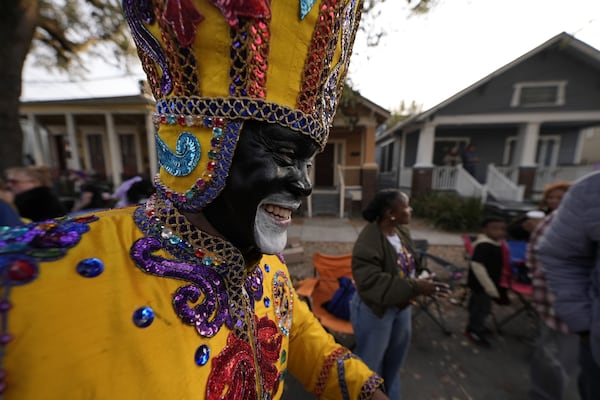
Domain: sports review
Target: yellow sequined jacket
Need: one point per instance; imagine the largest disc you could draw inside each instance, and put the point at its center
(95, 308)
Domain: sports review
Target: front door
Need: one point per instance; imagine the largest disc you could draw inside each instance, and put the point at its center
(324, 167)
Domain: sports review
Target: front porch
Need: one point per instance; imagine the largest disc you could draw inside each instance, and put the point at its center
(501, 183)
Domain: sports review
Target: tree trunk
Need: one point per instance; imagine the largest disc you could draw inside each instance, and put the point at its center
(18, 19)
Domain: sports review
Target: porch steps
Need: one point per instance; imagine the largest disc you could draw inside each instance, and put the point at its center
(325, 203)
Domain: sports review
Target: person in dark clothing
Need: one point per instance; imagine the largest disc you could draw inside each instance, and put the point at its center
(469, 159)
(34, 198)
(90, 193)
(485, 271)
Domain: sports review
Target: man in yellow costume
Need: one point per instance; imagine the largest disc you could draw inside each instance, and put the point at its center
(174, 299)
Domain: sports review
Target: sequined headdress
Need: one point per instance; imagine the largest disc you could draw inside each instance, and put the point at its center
(212, 64)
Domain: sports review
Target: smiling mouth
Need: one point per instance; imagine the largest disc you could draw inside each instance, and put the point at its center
(279, 213)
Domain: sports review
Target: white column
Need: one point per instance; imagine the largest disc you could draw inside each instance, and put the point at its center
(74, 162)
(116, 165)
(425, 147)
(152, 157)
(527, 144)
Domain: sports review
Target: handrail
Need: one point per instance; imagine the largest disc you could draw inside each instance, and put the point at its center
(501, 187)
(343, 185)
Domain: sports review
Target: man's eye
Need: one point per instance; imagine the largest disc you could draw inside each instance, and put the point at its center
(285, 155)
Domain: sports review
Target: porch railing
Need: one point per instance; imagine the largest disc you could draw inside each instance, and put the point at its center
(547, 175)
(501, 186)
(459, 180)
(511, 172)
(349, 183)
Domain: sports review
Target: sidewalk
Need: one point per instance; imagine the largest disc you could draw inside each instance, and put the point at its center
(331, 229)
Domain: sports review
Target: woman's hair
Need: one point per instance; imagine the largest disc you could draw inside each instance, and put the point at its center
(38, 173)
(383, 200)
(558, 185)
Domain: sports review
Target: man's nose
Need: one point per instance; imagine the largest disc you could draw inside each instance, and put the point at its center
(301, 184)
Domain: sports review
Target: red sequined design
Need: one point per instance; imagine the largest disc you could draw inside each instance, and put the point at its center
(233, 9)
(319, 56)
(184, 18)
(233, 372)
(259, 51)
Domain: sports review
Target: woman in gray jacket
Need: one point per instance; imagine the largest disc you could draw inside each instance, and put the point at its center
(384, 268)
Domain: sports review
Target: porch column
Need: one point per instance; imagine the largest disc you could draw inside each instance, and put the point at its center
(423, 168)
(74, 161)
(116, 164)
(425, 146)
(369, 183)
(368, 145)
(34, 140)
(528, 140)
(152, 158)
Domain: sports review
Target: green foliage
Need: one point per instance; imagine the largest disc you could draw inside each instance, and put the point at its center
(449, 211)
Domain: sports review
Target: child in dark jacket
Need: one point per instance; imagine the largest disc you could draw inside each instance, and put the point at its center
(484, 277)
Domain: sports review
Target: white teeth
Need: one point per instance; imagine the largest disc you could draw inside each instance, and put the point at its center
(278, 211)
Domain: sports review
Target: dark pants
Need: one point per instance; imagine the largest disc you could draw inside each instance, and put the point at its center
(589, 382)
(480, 305)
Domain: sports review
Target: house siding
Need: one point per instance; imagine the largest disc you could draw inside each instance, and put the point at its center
(553, 64)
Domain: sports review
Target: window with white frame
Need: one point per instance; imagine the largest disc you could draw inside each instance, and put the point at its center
(536, 94)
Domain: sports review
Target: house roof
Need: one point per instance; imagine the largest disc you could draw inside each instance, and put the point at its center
(564, 39)
(94, 101)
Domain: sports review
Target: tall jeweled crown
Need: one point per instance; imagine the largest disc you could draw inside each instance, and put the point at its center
(212, 64)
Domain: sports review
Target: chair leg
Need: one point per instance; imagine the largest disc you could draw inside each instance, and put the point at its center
(439, 320)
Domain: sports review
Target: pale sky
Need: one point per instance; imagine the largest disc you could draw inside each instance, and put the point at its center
(424, 58)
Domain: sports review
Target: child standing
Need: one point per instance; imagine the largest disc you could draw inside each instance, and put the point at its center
(484, 277)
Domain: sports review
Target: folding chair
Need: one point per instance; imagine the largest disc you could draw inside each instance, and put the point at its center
(320, 289)
(430, 305)
(521, 289)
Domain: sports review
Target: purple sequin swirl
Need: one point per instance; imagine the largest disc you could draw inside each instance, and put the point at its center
(254, 285)
(208, 286)
(139, 11)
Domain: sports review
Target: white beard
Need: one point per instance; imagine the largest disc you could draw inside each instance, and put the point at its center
(270, 232)
(270, 238)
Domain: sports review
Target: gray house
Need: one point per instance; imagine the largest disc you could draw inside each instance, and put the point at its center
(533, 122)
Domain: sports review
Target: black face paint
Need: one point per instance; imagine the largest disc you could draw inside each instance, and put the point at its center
(270, 171)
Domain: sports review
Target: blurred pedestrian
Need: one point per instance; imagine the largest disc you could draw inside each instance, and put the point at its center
(33, 195)
(90, 196)
(570, 256)
(554, 359)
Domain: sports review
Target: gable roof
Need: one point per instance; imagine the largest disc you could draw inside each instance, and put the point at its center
(564, 39)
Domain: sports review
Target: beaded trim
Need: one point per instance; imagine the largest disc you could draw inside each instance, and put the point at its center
(243, 109)
(371, 385)
(341, 373)
(326, 369)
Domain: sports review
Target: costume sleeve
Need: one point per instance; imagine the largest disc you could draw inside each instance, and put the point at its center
(567, 253)
(373, 283)
(325, 368)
